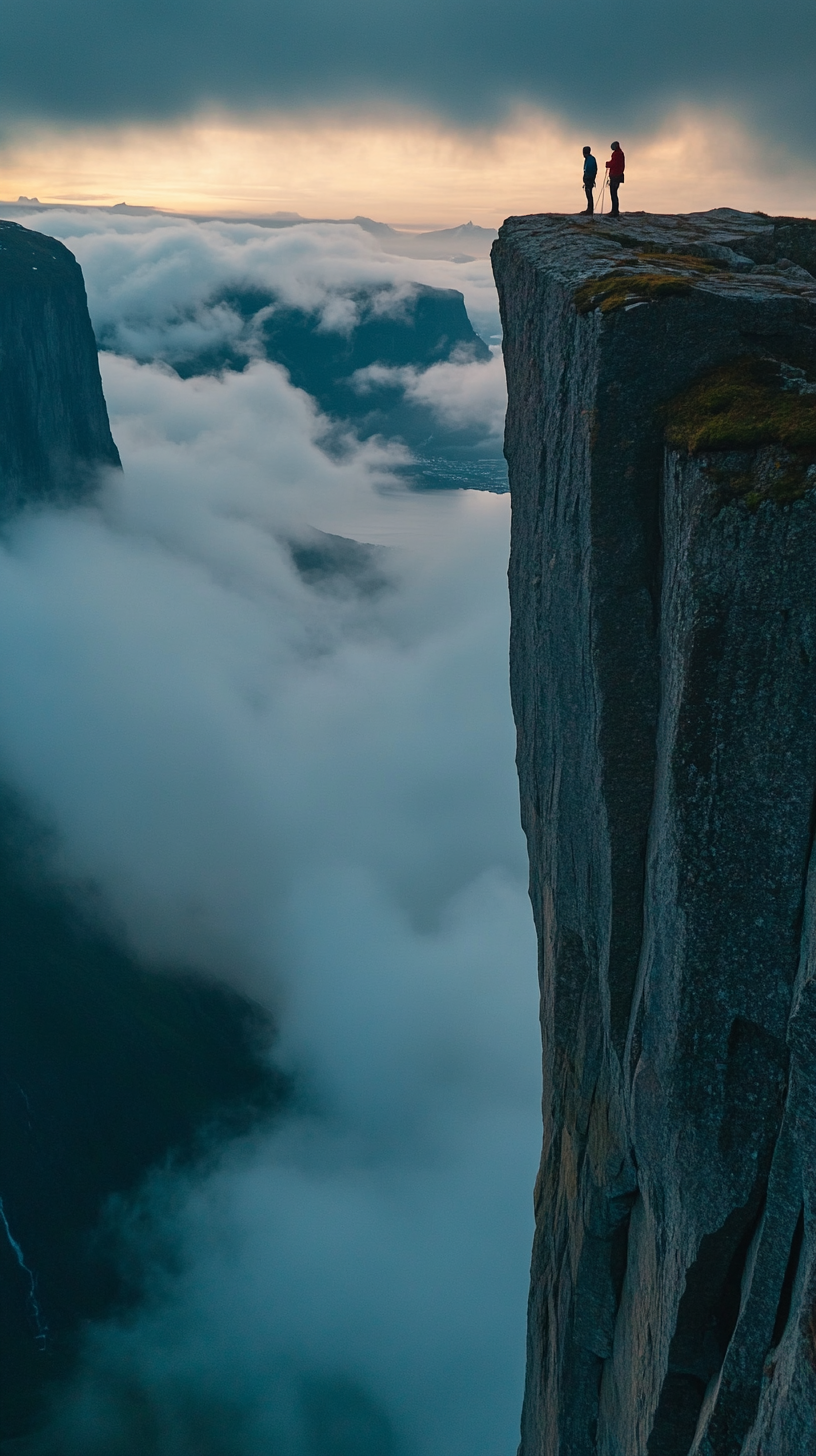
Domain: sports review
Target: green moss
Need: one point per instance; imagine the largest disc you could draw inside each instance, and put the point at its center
(679, 260)
(789, 482)
(620, 287)
(741, 406)
(617, 289)
(733, 481)
(781, 480)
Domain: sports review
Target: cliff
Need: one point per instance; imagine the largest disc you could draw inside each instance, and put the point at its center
(106, 1068)
(350, 355)
(54, 431)
(661, 441)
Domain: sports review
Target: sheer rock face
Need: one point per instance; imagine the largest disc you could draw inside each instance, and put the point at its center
(54, 431)
(663, 669)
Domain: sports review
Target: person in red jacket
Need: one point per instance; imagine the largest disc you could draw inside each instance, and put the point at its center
(615, 167)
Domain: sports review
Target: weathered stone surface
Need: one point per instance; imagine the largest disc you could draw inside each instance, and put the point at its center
(663, 670)
(54, 431)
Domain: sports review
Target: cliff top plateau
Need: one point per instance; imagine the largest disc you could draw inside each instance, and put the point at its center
(745, 250)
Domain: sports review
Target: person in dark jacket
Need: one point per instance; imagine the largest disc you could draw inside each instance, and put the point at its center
(590, 173)
(615, 167)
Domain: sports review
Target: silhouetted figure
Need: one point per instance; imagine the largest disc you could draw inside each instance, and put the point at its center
(590, 173)
(615, 167)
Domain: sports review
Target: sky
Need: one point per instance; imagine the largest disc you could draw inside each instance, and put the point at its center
(427, 114)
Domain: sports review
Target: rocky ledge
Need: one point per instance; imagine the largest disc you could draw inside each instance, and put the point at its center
(54, 431)
(661, 440)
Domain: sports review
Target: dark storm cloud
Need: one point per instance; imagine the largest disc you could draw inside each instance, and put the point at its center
(464, 59)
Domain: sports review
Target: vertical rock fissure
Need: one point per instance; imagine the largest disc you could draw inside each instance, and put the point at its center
(783, 1309)
(806, 870)
(626, 562)
(706, 1320)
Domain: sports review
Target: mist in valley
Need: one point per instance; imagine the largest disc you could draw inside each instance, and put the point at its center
(287, 763)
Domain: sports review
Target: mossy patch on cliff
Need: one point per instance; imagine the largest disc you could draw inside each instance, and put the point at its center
(678, 260)
(742, 405)
(769, 474)
(617, 289)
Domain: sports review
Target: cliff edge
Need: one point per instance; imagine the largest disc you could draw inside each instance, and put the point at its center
(54, 431)
(661, 441)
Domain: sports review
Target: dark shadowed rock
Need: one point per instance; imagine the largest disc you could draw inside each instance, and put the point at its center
(412, 328)
(661, 440)
(425, 327)
(339, 564)
(54, 431)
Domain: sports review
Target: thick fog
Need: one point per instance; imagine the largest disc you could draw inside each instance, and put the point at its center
(302, 785)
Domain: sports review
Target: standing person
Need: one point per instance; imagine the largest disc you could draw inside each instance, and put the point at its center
(615, 167)
(590, 173)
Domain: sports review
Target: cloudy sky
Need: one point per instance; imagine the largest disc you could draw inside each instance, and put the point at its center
(419, 113)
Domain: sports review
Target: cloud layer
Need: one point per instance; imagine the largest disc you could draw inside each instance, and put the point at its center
(156, 287)
(305, 788)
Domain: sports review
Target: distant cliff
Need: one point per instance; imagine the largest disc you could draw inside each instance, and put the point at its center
(106, 1068)
(661, 440)
(54, 431)
(355, 355)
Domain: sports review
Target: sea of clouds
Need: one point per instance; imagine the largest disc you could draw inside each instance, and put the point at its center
(155, 282)
(305, 788)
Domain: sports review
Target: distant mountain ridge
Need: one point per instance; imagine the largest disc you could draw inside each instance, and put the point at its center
(454, 244)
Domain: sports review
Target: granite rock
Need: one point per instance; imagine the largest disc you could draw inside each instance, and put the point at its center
(54, 431)
(661, 442)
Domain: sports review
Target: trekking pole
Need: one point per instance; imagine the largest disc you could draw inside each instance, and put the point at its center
(603, 189)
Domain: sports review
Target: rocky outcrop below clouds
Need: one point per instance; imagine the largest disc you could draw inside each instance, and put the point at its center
(661, 440)
(360, 355)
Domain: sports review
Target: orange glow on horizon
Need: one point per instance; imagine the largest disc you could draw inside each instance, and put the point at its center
(414, 173)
